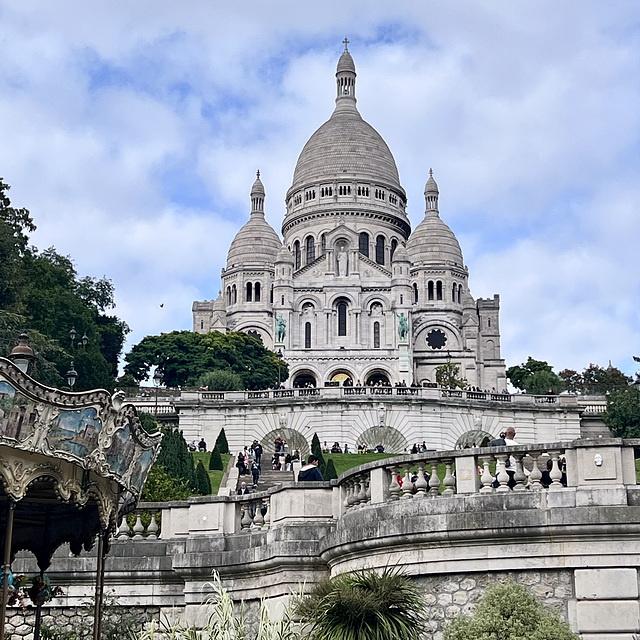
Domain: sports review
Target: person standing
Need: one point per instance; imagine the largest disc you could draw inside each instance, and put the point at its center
(310, 472)
(255, 472)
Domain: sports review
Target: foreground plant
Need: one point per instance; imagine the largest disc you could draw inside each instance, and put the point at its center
(365, 605)
(510, 612)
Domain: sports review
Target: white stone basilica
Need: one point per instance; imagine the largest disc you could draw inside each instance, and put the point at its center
(351, 293)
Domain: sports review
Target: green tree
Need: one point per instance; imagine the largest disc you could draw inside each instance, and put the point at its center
(364, 605)
(534, 376)
(203, 482)
(215, 460)
(184, 356)
(316, 450)
(330, 472)
(220, 380)
(598, 380)
(448, 376)
(221, 442)
(174, 456)
(161, 486)
(509, 612)
(571, 380)
(623, 412)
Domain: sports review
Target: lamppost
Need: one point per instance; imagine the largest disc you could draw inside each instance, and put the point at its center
(22, 354)
(83, 341)
(280, 356)
(158, 377)
(72, 376)
(449, 372)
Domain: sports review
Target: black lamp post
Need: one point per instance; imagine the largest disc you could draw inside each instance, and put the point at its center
(22, 354)
(158, 377)
(280, 356)
(72, 376)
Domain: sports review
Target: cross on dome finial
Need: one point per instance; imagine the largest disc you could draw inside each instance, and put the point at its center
(258, 174)
(345, 42)
(430, 173)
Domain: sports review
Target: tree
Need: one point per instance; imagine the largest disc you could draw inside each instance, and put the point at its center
(448, 376)
(161, 486)
(215, 460)
(203, 482)
(597, 380)
(623, 412)
(330, 472)
(174, 456)
(509, 612)
(220, 380)
(221, 442)
(184, 356)
(571, 380)
(364, 605)
(534, 376)
(316, 450)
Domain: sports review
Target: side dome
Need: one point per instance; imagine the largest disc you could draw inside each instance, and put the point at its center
(256, 242)
(434, 242)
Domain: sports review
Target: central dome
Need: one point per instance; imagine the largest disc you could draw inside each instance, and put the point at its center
(346, 145)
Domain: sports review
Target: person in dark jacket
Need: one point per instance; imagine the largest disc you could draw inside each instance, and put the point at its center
(310, 472)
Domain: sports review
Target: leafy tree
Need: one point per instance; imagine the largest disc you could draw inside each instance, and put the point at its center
(623, 412)
(316, 450)
(161, 486)
(184, 356)
(571, 380)
(509, 612)
(215, 460)
(597, 380)
(330, 472)
(534, 376)
(364, 605)
(203, 482)
(148, 422)
(221, 442)
(220, 380)
(448, 376)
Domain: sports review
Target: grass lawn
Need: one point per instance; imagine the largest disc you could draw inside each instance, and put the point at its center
(214, 476)
(345, 461)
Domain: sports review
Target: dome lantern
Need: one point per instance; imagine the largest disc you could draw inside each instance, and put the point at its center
(431, 193)
(346, 77)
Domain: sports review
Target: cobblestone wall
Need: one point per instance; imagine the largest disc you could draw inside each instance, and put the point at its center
(20, 623)
(448, 596)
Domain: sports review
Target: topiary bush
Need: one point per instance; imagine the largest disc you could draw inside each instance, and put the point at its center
(221, 442)
(215, 460)
(203, 482)
(509, 611)
(330, 472)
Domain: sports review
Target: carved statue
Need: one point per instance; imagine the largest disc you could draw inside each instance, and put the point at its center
(403, 327)
(342, 262)
(281, 328)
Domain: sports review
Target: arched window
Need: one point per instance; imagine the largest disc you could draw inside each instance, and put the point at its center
(256, 292)
(439, 290)
(234, 294)
(380, 249)
(296, 253)
(307, 335)
(430, 290)
(282, 301)
(271, 295)
(401, 299)
(228, 295)
(311, 249)
(454, 290)
(363, 244)
(415, 292)
(249, 289)
(394, 246)
(323, 243)
(376, 335)
(342, 318)
(201, 324)
(459, 293)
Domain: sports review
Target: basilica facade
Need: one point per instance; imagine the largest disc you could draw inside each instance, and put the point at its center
(350, 294)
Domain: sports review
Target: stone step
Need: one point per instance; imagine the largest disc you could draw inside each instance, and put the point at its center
(268, 478)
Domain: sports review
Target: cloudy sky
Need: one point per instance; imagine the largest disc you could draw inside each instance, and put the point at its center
(133, 130)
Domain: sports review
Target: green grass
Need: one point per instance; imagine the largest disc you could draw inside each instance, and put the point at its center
(345, 461)
(214, 476)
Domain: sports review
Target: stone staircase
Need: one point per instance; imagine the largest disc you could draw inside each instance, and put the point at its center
(268, 478)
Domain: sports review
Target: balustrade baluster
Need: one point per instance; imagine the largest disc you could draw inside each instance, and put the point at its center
(245, 517)
(486, 478)
(501, 472)
(138, 528)
(347, 494)
(407, 485)
(434, 481)
(266, 518)
(520, 476)
(153, 528)
(556, 472)
(449, 479)
(368, 491)
(536, 474)
(123, 529)
(394, 487)
(422, 484)
(362, 494)
(258, 519)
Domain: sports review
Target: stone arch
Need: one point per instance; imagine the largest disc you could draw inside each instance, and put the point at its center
(391, 439)
(376, 374)
(295, 440)
(473, 438)
(302, 377)
(307, 299)
(340, 376)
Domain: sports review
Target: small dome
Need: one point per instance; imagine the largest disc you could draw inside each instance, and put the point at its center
(431, 186)
(284, 255)
(433, 242)
(400, 254)
(256, 242)
(346, 63)
(219, 303)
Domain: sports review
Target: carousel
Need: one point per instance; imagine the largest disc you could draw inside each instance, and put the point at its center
(72, 465)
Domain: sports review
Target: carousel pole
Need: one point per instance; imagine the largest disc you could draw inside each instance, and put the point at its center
(36, 631)
(97, 611)
(6, 567)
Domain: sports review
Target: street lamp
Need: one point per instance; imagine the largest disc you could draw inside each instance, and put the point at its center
(158, 376)
(22, 354)
(72, 375)
(280, 356)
